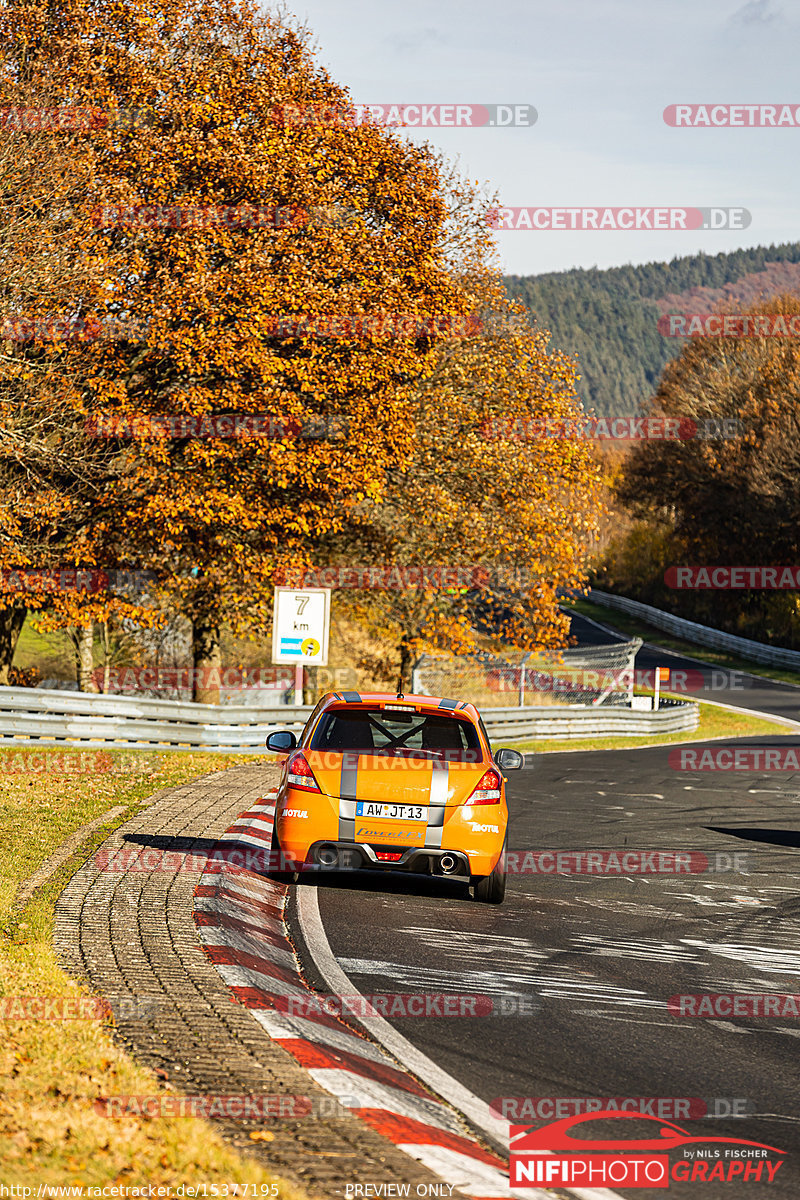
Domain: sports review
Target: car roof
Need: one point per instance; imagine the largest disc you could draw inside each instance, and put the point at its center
(441, 704)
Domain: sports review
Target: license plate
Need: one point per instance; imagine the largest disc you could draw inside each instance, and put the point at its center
(391, 812)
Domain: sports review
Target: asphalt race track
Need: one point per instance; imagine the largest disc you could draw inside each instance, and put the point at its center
(701, 681)
(581, 966)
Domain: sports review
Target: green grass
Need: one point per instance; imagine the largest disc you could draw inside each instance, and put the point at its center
(52, 652)
(715, 722)
(53, 1070)
(634, 627)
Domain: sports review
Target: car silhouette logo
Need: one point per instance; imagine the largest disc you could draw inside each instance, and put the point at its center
(556, 1136)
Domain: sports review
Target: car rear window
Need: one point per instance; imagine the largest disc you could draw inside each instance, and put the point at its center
(375, 731)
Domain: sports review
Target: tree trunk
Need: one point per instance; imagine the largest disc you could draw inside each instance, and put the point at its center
(83, 641)
(106, 658)
(11, 621)
(206, 660)
(404, 678)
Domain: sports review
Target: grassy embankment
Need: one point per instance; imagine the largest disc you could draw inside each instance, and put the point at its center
(53, 1070)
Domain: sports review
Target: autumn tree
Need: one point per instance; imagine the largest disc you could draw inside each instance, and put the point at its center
(213, 516)
(727, 500)
(51, 473)
(485, 491)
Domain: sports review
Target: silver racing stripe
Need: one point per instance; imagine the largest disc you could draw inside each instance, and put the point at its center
(436, 801)
(348, 789)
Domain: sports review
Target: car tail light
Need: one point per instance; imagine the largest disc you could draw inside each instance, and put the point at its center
(388, 855)
(300, 774)
(488, 789)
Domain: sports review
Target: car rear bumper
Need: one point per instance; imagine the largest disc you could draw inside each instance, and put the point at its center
(473, 835)
(330, 855)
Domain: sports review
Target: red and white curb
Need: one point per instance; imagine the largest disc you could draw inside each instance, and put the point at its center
(240, 920)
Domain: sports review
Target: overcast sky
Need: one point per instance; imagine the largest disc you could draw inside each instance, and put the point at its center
(599, 73)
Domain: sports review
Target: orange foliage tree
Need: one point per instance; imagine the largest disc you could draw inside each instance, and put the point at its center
(215, 224)
(482, 491)
(51, 473)
(722, 500)
(214, 515)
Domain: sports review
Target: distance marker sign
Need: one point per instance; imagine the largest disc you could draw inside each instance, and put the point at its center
(300, 624)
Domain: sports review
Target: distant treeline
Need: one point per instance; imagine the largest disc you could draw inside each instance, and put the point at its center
(608, 318)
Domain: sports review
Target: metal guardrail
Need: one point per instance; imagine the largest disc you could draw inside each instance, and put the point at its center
(34, 716)
(570, 722)
(88, 720)
(701, 635)
(57, 700)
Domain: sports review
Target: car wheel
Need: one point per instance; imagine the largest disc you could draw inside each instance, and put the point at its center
(491, 889)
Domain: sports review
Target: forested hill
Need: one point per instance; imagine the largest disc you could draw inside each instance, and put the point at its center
(609, 318)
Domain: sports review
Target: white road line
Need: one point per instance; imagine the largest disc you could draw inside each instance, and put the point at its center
(476, 1111)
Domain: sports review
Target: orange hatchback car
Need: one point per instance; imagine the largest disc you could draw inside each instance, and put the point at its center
(395, 783)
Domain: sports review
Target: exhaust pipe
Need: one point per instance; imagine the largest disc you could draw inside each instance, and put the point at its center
(327, 856)
(448, 864)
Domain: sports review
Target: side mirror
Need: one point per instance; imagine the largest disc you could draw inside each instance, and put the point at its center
(509, 760)
(282, 741)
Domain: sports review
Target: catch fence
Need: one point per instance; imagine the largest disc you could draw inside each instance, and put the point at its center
(585, 676)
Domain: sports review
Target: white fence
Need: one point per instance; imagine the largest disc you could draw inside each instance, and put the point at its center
(701, 635)
(34, 716)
